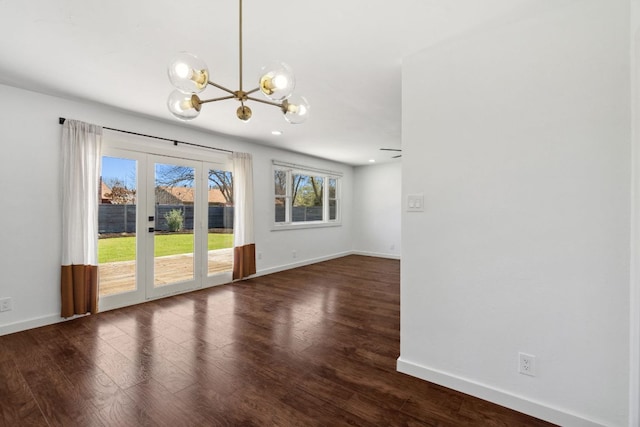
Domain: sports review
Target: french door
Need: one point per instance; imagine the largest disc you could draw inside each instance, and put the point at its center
(165, 226)
(172, 223)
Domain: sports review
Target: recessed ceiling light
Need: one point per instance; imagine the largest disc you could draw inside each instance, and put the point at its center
(276, 132)
(372, 161)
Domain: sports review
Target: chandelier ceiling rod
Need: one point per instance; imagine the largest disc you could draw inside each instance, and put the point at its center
(190, 76)
(240, 43)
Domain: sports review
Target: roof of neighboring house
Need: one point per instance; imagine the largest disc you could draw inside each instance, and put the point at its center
(216, 196)
(177, 194)
(185, 194)
(105, 191)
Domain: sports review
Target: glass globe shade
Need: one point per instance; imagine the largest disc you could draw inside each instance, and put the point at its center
(276, 81)
(296, 109)
(188, 73)
(182, 105)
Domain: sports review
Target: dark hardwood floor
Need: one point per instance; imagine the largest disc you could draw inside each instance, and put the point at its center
(311, 346)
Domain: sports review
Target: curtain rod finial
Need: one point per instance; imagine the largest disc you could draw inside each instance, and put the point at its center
(61, 120)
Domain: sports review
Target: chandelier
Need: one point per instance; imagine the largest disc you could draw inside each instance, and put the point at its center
(276, 81)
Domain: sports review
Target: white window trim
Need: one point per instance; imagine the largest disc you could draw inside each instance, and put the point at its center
(291, 168)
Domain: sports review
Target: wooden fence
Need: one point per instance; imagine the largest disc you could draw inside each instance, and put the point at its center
(122, 218)
(301, 213)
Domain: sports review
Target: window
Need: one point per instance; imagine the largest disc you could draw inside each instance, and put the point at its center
(305, 196)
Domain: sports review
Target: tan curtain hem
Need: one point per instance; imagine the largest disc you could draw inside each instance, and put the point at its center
(244, 261)
(79, 289)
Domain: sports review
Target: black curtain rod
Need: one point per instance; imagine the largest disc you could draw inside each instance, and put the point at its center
(175, 142)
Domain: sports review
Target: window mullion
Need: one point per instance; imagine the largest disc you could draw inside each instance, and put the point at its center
(288, 199)
(325, 198)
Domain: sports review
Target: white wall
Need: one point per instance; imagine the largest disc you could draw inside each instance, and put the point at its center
(30, 222)
(634, 300)
(519, 138)
(376, 209)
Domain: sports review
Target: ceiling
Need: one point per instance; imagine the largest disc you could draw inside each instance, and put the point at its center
(346, 56)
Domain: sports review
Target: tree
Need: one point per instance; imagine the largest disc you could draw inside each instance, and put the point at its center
(316, 185)
(297, 184)
(120, 194)
(175, 220)
(223, 181)
(307, 190)
(184, 175)
(280, 181)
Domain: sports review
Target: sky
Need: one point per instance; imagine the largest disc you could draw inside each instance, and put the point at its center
(125, 171)
(122, 169)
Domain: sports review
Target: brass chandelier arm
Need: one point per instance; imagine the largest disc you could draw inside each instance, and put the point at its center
(221, 87)
(275, 104)
(204, 101)
(252, 91)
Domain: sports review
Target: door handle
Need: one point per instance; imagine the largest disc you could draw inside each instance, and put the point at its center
(151, 229)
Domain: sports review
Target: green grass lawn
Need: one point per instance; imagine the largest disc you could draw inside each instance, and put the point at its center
(124, 248)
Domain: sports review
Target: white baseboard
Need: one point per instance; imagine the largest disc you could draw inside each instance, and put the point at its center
(301, 263)
(36, 322)
(500, 397)
(376, 254)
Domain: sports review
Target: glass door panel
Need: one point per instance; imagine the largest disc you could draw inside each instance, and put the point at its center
(117, 213)
(219, 222)
(175, 196)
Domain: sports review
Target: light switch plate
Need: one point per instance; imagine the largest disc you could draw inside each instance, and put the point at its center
(415, 203)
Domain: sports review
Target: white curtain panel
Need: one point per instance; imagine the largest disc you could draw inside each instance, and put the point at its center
(81, 156)
(242, 199)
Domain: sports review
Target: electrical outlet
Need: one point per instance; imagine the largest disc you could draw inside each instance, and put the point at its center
(295, 254)
(527, 364)
(6, 304)
(259, 255)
